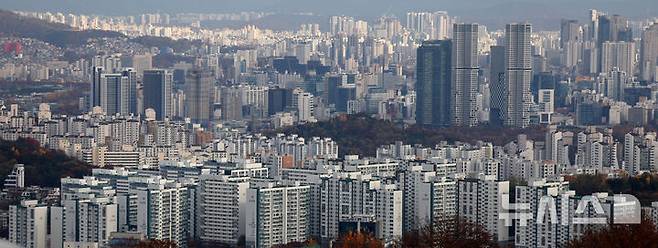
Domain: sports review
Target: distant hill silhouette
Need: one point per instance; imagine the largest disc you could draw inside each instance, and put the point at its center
(12, 24)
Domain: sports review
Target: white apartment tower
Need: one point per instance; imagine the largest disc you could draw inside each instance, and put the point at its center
(532, 233)
(480, 200)
(277, 214)
(162, 211)
(221, 208)
(347, 197)
(428, 195)
(28, 224)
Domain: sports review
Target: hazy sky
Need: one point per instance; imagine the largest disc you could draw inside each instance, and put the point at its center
(484, 11)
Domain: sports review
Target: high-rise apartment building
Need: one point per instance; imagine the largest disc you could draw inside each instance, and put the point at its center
(277, 214)
(221, 208)
(352, 197)
(649, 54)
(28, 224)
(162, 211)
(620, 55)
(518, 62)
(615, 82)
(480, 200)
(570, 31)
(545, 233)
(434, 25)
(465, 75)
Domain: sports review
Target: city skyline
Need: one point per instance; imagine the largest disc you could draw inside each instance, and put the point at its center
(480, 11)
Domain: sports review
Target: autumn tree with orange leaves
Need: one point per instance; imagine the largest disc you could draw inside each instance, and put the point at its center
(358, 240)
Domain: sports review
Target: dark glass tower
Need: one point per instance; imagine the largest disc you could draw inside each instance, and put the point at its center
(157, 92)
(498, 86)
(433, 83)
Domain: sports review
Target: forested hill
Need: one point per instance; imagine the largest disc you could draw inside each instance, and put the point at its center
(12, 24)
(43, 167)
(362, 135)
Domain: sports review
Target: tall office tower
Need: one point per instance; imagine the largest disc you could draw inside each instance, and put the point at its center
(198, 85)
(497, 86)
(518, 63)
(221, 208)
(333, 83)
(163, 211)
(95, 93)
(131, 75)
(569, 31)
(118, 92)
(278, 100)
(619, 55)
(433, 83)
(465, 75)
(28, 224)
(615, 84)
(158, 92)
(277, 214)
(480, 200)
(649, 54)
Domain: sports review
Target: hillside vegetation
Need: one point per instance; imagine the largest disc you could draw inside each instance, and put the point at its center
(362, 135)
(43, 167)
(12, 24)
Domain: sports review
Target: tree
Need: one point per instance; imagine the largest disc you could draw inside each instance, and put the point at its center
(154, 243)
(43, 167)
(306, 244)
(447, 232)
(358, 240)
(644, 234)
